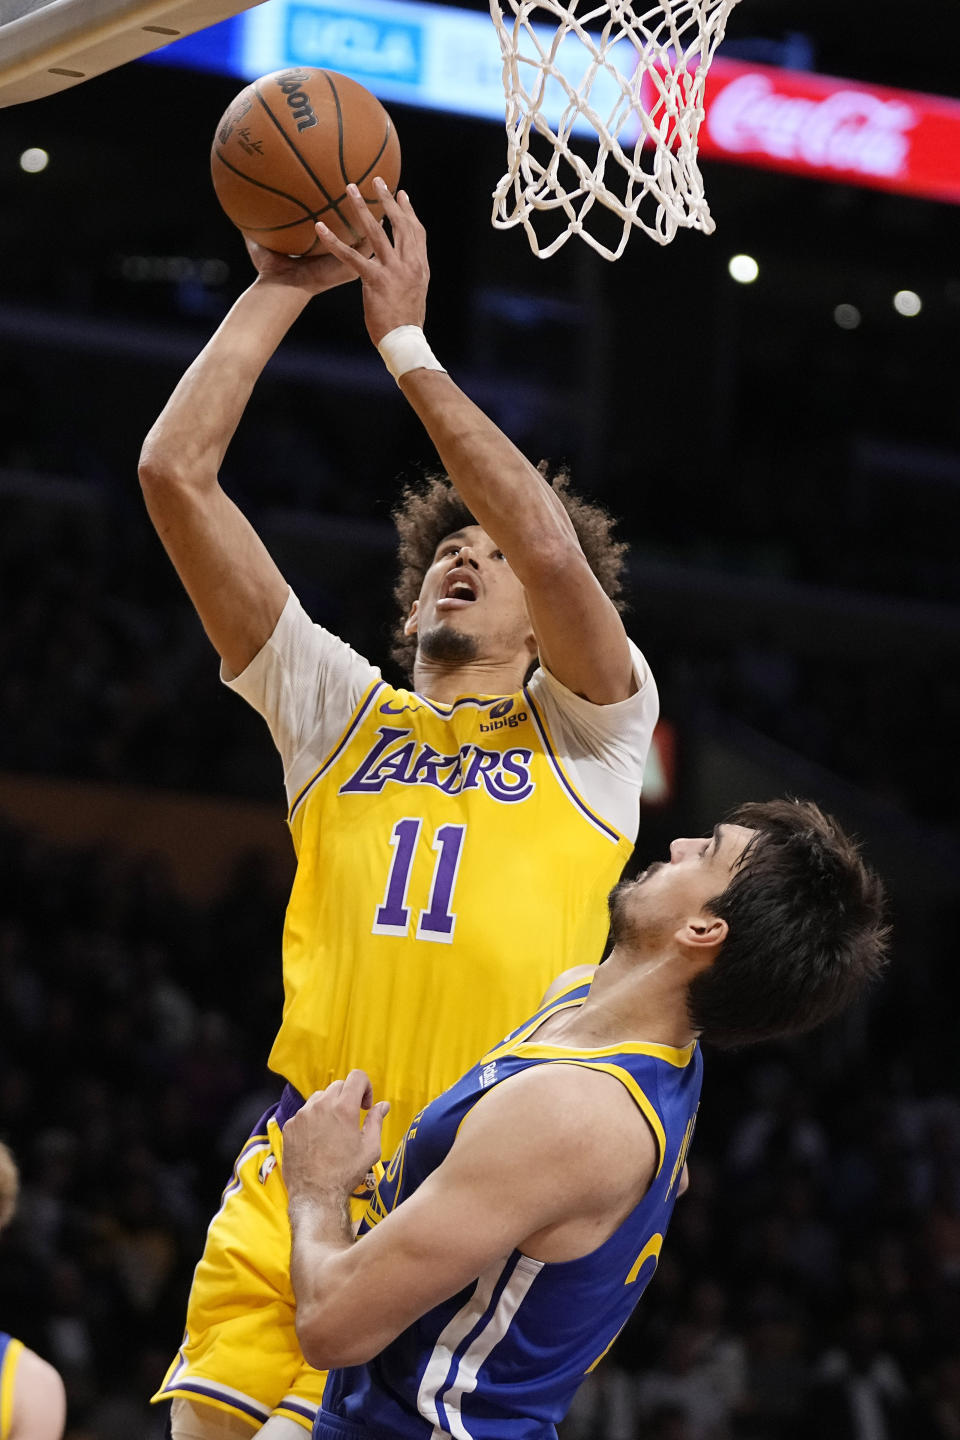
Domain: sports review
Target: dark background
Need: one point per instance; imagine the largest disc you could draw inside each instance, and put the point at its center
(791, 492)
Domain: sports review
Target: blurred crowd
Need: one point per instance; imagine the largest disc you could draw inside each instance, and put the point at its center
(810, 1283)
(135, 1029)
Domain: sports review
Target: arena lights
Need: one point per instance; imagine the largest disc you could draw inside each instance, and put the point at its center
(744, 269)
(34, 160)
(907, 302)
(848, 317)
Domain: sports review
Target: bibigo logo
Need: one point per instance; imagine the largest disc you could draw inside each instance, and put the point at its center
(501, 719)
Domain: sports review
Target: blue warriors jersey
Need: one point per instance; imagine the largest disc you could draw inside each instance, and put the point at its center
(10, 1352)
(502, 1359)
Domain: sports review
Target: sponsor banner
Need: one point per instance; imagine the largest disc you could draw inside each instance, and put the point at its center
(835, 129)
(420, 54)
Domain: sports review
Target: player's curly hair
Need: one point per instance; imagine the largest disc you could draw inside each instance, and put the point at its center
(807, 930)
(431, 509)
(9, 1185)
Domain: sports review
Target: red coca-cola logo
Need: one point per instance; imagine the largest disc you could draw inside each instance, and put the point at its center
(847, 129)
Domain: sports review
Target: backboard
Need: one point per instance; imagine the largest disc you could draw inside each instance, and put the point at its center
(48, 45)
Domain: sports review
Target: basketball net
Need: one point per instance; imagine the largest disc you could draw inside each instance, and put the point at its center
(636, 81)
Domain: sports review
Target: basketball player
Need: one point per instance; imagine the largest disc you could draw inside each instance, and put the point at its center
(454, 840)
(521, 1218)
(32, 1400)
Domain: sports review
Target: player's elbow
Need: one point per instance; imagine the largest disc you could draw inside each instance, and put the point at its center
(168, 474)
(327, 1342)
(160, 473)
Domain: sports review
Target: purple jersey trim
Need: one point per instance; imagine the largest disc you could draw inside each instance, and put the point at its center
(290, 1102)
(210, 1392)
(482, 702)
(297, 1407)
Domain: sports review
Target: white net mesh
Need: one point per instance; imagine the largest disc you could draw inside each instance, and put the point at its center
(633, 81)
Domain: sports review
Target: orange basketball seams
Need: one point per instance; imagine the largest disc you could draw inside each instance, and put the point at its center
(287, 147)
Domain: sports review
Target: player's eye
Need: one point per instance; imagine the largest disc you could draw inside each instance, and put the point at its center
(499, 555)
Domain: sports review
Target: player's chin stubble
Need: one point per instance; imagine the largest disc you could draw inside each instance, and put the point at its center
(446, 646)
(629, 924)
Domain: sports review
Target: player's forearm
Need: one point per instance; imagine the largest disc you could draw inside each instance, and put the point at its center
(507, 495)
(187, 444)
(335, 1325)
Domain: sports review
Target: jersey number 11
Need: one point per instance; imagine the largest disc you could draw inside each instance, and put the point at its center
(438, 920)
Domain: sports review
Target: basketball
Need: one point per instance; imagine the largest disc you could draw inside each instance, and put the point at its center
(288, 146)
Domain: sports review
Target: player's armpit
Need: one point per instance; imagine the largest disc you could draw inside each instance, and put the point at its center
(552, 1159)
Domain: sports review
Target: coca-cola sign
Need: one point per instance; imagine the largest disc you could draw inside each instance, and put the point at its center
(836, 129)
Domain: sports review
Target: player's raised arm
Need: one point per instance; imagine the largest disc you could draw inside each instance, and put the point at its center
(509, 1182)
(226, 569)
(579, 633)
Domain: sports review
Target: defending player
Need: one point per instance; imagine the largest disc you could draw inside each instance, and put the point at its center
(518, 1223)
(454, 841)
(32, 1400)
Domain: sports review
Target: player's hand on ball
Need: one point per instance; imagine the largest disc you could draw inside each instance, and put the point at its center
(395, 275)
(313, 272)
(325, 1146)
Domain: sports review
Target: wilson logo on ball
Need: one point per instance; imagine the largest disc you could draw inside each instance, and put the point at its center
(297, 99)
(288, 146)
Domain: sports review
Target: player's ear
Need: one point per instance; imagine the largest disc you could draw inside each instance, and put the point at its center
(410, 624)
(702, 935)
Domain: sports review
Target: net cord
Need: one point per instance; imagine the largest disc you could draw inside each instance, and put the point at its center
(657, 106)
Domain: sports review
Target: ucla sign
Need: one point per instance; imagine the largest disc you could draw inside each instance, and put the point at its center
(357, 45)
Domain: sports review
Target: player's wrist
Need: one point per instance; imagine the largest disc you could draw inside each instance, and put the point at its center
(317, 1208)
(405, 348)
(284, 287)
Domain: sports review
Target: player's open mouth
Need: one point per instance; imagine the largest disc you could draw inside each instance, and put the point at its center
(456, 593)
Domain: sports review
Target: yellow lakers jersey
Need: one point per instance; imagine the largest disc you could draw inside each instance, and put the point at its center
(10, 1352)
(447, 871)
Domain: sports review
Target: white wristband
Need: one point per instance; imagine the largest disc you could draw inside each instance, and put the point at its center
(406, 348)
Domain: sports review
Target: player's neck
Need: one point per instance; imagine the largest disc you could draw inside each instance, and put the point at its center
(631, 1002)
(444, 683)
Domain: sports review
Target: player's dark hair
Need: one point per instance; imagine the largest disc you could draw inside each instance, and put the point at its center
(431, 509)
(806, 929)
(9, 1185)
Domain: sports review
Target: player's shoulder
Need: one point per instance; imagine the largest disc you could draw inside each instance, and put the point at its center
(569, 1115)
(39, 1408)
